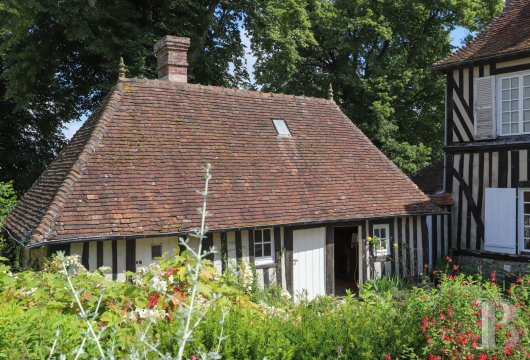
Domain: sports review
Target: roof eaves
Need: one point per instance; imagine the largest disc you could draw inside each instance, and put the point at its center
(446, 66)
(439, 211)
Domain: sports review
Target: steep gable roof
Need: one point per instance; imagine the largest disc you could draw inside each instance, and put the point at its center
(508, 33)
(134, 168)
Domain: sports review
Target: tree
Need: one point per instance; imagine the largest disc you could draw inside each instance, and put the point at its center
(377, 55)
(8, 249)
(59, 58)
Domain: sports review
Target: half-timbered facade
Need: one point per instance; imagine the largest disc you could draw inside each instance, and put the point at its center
(487, 162)
(297, 190)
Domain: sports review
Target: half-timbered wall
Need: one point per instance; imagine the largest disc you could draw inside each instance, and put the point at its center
(416, 241)
(472, 165)
(460, 92)
(469, 173)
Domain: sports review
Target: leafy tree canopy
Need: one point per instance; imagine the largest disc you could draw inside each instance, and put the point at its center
(8, 199)
(58, 58)
(377, 55)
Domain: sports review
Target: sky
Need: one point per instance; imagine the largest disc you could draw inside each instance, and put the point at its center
(70, 129)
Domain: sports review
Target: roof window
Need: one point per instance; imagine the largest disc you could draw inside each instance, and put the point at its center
(281, 127)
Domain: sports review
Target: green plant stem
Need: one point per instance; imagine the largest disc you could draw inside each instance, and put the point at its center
(197, 269)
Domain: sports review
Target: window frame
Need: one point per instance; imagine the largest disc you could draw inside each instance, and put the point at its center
(521, 215)
(278, 124)
(161, 251)
(386, 250)
(498, 102)
(264, 260)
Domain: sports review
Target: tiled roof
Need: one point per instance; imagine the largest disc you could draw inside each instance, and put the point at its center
(430, 178)
(444, 199)
(134, 168)
(508, 33)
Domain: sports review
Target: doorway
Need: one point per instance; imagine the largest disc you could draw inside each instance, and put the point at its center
(346, 259)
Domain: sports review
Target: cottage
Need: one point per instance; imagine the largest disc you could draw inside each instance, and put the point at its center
(487, 159)
(296, 189)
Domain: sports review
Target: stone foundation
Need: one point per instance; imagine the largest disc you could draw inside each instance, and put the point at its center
(488, 265)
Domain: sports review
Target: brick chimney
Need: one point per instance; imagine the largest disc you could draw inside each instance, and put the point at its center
(172, 58)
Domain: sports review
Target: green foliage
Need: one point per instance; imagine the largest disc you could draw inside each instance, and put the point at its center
(377, 55)
(58, 59)
(8, 249)
(8, 199)
(418, 324)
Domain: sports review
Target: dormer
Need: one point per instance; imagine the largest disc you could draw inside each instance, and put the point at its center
(488, 82)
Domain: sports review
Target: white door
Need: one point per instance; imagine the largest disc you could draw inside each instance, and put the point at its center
(309, 264)
(500, 220)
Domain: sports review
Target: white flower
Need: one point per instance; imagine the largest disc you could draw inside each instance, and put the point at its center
(158, 285)
(142, 271)
(105, 269)
(143, 314)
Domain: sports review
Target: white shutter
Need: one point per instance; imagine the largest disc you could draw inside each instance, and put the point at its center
(484, 107)
(500, 220)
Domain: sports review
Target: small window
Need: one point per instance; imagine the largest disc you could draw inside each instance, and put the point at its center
(281, 127)
(382, 239)
(156, 251)
(263, 246)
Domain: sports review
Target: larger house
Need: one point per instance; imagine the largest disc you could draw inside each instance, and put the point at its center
(296, 191)
(487, 162)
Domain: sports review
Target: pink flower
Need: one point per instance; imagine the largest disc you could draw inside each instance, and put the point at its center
(455, 267)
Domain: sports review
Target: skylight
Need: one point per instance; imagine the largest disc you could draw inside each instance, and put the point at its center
(281, 127)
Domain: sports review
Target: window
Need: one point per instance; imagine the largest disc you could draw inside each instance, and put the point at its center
(382, 233)
(263, 246)
(514, 104)
(281, 127)
(156, 251)
(525, 228)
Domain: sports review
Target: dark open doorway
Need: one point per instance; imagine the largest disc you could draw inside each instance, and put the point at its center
(346, 259)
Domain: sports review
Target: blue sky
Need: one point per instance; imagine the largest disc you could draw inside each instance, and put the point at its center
(70, 129)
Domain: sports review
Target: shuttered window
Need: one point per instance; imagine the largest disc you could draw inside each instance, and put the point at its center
(500, 220)
(514, 104)
(484, 107)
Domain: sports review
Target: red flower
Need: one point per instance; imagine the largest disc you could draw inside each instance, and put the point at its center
(153, 299)
(493, 277)
(388, 357)
(483, 357)
(508, 351)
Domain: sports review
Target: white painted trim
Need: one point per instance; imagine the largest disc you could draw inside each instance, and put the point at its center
(386, 251)
(520, 215)
(498, 101)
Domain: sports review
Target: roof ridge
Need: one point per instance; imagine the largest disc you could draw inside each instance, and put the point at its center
(222, 89)
(101, 117)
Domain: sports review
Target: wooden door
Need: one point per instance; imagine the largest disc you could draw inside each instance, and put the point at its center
(309, 262)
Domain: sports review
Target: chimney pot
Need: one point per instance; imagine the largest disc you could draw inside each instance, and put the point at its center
(172, 58)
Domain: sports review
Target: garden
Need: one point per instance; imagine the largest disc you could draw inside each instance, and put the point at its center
(182, 308)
